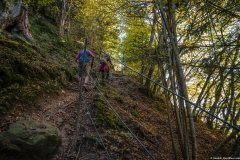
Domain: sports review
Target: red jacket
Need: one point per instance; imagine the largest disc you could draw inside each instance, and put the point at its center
(103, 67)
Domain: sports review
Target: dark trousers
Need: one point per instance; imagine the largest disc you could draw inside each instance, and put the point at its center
(104, 73)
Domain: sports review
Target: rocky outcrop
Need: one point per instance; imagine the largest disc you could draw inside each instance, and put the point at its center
(14, 18)
(29, 139)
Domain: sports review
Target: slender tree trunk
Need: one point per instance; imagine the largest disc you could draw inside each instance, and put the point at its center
(63, 18)
(142, 68)
(206, 83)
(180, 77)
(235, 150)
(150, 73)
(218, 90)
(229, 101)
(69, 19)
(220, 146)
(155, 87)
(151, 70)
(179, 124)
(214, 106)
(237, 117)
(167, 97)
(231, 110)
(206, 95)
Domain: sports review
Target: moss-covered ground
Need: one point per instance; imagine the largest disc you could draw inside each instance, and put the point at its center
(29, 68)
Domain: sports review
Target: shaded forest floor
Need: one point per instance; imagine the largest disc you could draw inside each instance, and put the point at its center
(145, 116)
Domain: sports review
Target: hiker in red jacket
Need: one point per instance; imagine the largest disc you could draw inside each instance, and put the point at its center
(104, 68)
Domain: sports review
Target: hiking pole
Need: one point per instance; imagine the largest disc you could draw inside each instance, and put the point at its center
(80, 93)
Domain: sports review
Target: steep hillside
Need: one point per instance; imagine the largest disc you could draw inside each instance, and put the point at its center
(30, 68)
(146, 117)
(38, 82)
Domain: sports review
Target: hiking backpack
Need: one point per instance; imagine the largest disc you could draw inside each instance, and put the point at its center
(103, 61)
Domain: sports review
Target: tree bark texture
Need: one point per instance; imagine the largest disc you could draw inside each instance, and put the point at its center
(8, 13)
(14, 18)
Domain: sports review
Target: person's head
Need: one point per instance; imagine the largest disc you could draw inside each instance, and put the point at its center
(106, 55)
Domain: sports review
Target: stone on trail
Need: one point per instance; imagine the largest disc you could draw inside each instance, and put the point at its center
(30, 139)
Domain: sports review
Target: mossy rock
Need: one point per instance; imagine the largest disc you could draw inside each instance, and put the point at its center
(29, 139)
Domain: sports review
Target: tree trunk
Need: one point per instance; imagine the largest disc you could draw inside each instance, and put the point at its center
(151, 70)
(180, 75)
(69, 19)
(150, 73)
(235, 151)
(220, 146)
(9, 13)
(63, 18)
(23, 22)
(167, 98)
(179, 118)
(14, 18)
(206, 83)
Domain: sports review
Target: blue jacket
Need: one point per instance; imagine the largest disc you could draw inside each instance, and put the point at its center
(87, 57)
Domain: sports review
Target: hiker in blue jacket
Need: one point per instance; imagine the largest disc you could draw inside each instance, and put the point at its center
(86, 68)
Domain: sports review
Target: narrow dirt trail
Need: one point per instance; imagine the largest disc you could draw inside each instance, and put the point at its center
(59, 109)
